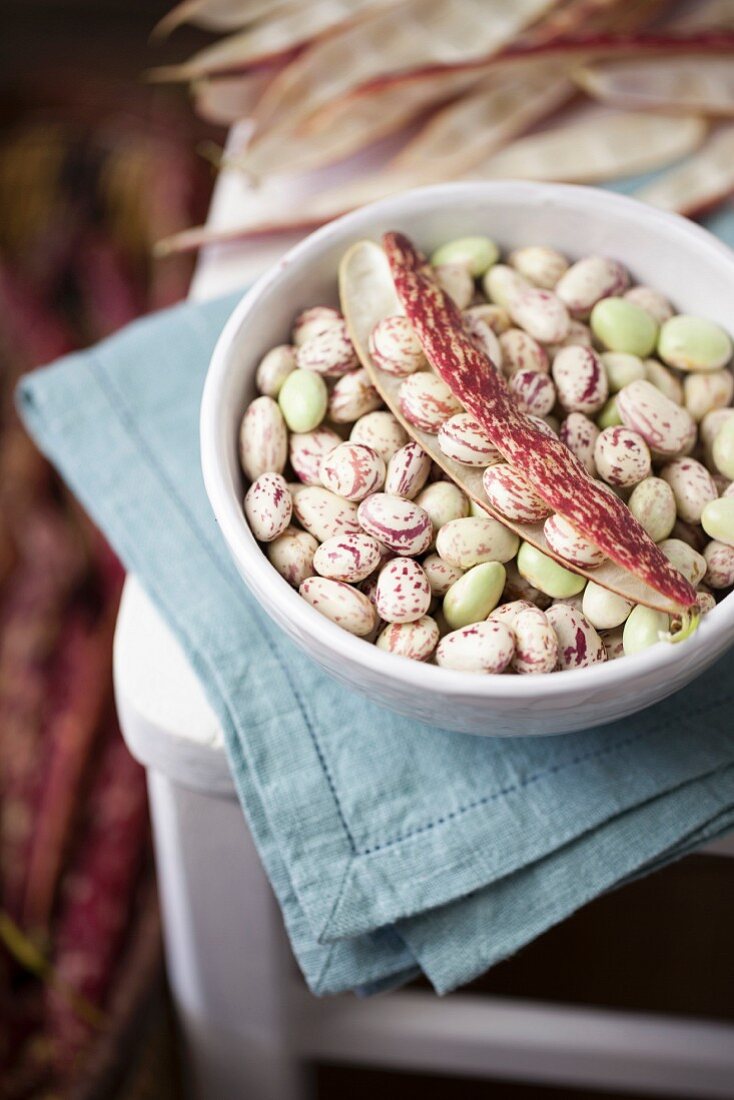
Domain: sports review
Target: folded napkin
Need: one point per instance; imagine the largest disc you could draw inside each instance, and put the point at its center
(393, 847)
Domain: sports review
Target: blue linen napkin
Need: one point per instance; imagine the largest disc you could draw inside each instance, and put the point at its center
(393, 847)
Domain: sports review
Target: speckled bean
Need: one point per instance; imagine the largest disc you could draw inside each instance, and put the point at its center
(540, 313)
(307, 449)
(443, 501)
(719, 564)
(604, 609)
(533, 392)
(706, 601)
(403, 594)
(263, 439)
(348, 558)
(510, 492)
(314, 320)
(352, 471)
(462, 439)
(274, 368)
(580, 378)
(651, 300)
(381, 431)
(324, 514)
(353, 396)
(344, 605)
(685, 559)
(495, 316)
(402, 525)
(702, 393)
(482, 647)
(580, 435)
(521, 352)
(693, 487)
(268, 507)
(653, 505)
(546, 574)
(666, 427)
(426, 401)
(541, 266)
(441, 575)
(483, 337)
(328, 352)
(622, 457)
(613, 643)
(468, 541)
(416, 641)
(536, 643)
(395, 347)
(579, 645)
(292, 554)
(407, 471)
(588, 281)
(565, 540)
(693, 343)
(471, 598)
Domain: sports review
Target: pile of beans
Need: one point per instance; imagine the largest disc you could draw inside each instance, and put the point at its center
(356, 516)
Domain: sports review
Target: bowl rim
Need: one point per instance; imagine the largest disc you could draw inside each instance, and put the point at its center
(347, 647)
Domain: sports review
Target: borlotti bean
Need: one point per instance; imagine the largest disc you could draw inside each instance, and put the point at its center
(403, 594)
(512, 495)
(274, 368)
(377, 538)
(462, 439)
(579, 433)
(579, 645)
(426, 401)
(565, 541)
(652, 504)
(407, 471)
(469, 541)
(352, 471)
(580, 378)
(380, 431)
(693, 487)
(344, 605)
(651, 300)
(521, 352)
(622, 457)
(395, 347)
(268, 507)
(263, 439)
(323, 514)
(353, 396)
(482, 647)
(348, 558)
(588, 281)
(306, 451)
(441, 575)
(666, 427)
(534, 392)
(313, 321)
(328, 352)
(416, 641)
(402, 525)
(541, 266)
(292, 554)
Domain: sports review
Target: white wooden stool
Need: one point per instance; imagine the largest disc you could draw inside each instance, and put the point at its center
(249, 1025)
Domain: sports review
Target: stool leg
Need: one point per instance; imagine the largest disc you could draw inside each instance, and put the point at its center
(229, 963)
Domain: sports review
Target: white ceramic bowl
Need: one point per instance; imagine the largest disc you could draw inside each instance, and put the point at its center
(682, 260)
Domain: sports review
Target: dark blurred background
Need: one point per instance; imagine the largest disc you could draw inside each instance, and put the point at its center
(96, 165)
